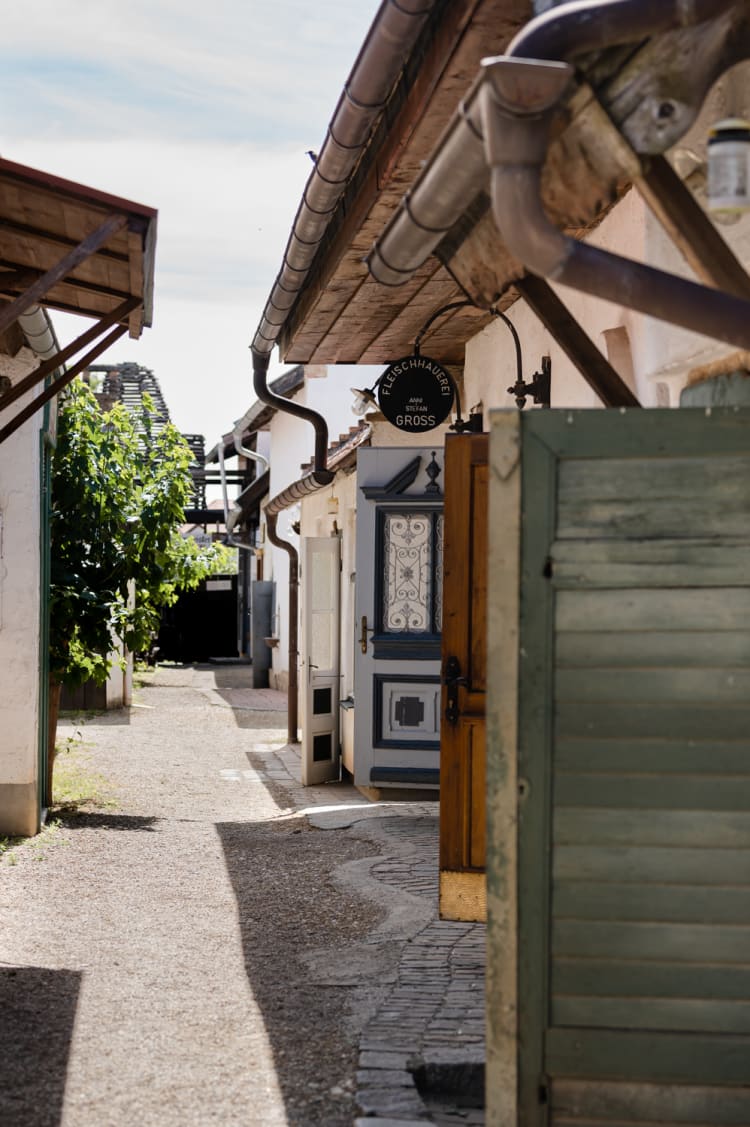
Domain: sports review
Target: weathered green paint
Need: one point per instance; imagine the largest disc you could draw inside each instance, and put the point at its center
(539, 492)
(651, 1056)
(686, 648)
(607, 978)
(653, 756)
(587, 563)
(634, 748)
(623, 1105)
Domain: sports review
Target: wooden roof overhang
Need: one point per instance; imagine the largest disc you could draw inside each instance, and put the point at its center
(68, 247)
(342, 315)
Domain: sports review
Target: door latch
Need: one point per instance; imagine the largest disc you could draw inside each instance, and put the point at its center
(452, 679)
(365, 629)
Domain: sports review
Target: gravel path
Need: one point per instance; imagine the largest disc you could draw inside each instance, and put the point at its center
(155, 957)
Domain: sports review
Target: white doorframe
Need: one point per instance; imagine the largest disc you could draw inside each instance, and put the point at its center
(321, 579)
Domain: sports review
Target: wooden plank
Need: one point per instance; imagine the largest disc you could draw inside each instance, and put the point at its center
(653, 609)
(539, 492)
(640, 434)
(655, 757)
(47, 367)
(724, 821)
(610, 978)
(37, 291)
(621, 1104)
(667, 942)
(462, 744)
(702, 1059)
(477, 608)
(653, 865)
(502, 789)
(678, 721)
(662, 477)
(577, 346)
(404, 139)
(690, 1015)
(682, 648)
(622, 563)
(690, 228)
(630, 518)
(62, 381)
(717, 686)
(597, 900)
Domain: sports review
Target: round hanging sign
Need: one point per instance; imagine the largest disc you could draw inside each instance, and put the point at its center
(415, 394)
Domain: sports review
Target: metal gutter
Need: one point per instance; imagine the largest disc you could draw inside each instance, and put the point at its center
(386, 49)
(508, 116)
(457, 171)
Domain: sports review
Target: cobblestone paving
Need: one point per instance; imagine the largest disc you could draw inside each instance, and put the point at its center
(434, 1014)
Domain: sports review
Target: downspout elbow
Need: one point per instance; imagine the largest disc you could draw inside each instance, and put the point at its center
(516, 139)
(321, 474)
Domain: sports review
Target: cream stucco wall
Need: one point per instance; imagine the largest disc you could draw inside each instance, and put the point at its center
(20, 575)
(328, 391)
(652, 356)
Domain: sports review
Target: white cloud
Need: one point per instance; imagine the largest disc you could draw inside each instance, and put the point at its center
(203, 111)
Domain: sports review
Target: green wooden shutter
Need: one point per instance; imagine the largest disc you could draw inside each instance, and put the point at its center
(634, 846)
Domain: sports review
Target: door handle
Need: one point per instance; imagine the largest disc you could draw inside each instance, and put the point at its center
(452, 679)
(364, 630)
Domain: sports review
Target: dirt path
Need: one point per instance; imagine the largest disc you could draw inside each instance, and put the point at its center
(154, 957)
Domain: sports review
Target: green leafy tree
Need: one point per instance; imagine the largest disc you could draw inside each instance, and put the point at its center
(118, 493)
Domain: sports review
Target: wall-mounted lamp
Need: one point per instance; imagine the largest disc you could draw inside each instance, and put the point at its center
(364, 400)
(539, 387)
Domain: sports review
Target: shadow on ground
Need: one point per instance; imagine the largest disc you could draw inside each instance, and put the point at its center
(38, 1008)
(83, 820)
(288, 907)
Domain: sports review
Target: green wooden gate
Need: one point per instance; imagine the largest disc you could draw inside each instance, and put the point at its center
(634, 768)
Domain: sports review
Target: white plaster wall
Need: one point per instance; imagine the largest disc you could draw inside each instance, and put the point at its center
(19, 590)
(328, 391)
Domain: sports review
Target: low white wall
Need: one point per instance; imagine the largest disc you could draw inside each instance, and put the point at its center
(20, 577)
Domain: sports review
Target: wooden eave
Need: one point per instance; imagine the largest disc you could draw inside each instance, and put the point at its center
(43, 218)
(342, 315)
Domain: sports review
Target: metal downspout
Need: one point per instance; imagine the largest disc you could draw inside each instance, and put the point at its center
(293, 648)
(519, 101)
(231, 516)
(320, 476)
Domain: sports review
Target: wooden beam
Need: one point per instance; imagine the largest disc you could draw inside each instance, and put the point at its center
(577, 346)
(690, 229)
(48, 366)
(36, 292)
(61, 382)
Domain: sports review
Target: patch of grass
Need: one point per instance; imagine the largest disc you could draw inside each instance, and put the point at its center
(7, 847)
(77, 784)
(12, 848)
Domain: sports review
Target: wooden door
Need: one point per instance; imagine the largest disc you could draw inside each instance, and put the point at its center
(321, 569)
(397, 621)
(634, 769)
(464, 669)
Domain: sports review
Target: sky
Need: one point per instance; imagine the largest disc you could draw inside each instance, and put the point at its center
(205, 110)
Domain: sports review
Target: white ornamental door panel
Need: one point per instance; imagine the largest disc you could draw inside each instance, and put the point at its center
(398, 617)
(321, 571)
